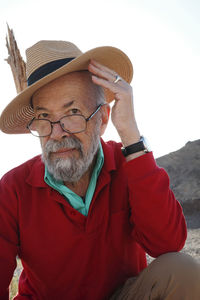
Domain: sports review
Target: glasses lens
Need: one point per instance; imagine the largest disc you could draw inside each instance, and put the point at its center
(73, 124)
(40, 127)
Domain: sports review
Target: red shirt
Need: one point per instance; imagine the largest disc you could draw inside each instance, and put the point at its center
(66, 255)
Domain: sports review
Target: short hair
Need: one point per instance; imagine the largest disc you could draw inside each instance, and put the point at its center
(100, 95)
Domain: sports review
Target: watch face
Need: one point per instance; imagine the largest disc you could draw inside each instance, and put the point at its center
(146, 144)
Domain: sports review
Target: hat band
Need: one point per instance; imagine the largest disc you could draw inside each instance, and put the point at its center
(47, 69)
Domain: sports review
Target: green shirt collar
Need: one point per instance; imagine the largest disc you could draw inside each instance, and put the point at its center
(75, 200)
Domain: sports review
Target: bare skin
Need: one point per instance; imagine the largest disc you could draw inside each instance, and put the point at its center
(69, 94)
(73, 92)
(123, 115)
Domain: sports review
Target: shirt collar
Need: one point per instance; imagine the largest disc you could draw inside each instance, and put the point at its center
(36, 175)
(49, 179)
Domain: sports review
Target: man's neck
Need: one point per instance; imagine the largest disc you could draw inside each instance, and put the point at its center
(80, 187)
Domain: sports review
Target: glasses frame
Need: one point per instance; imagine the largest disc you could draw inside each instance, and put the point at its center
(59, 122)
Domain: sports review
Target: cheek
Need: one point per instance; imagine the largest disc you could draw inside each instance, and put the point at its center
(85, 140)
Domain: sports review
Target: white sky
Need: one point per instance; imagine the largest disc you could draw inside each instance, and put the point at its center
(162, 39)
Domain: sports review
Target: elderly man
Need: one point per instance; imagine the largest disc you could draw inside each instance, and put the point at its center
(84, 214)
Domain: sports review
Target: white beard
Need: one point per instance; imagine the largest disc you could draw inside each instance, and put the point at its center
(70, 169)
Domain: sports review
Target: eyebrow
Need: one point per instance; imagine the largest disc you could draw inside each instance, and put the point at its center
(66, 105)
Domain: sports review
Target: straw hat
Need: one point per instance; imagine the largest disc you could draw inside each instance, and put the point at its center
(48, 60)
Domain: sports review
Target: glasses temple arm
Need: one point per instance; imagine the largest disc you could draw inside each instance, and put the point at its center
(98, 108)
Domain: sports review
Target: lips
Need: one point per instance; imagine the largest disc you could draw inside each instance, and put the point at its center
(67, 148)
(63, 151)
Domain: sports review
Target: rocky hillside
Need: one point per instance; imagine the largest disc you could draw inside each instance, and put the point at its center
(183, 167)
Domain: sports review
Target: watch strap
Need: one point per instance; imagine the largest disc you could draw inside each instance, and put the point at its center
(133, 148)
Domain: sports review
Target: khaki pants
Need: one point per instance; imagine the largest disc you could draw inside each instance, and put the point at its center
(172, 276)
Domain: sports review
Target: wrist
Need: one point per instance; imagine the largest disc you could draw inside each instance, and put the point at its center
(141, 146)
(129, 140)
(135, 155)
(129, 136)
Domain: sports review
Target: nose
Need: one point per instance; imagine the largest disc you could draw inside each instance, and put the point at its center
(58, 132)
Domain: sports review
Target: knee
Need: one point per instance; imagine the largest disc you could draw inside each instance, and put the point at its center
(179, 265)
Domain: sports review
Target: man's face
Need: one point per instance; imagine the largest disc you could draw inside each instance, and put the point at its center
(68, 156)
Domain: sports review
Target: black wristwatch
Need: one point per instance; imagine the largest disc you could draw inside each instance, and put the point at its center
(142, 145)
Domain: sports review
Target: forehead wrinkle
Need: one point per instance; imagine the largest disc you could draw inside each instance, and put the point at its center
(66, 105)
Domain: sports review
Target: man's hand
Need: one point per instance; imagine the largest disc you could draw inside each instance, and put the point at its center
(123, 116)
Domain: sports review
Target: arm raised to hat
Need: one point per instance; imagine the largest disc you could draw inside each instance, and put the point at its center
(123, 115)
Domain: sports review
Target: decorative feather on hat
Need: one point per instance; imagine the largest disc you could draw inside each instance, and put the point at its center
(46, 61)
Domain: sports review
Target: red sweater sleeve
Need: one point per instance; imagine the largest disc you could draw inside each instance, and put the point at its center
(8, 237)
(159, 224)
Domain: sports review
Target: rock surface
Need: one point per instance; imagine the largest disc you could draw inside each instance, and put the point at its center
(192, 245)
(183, 168)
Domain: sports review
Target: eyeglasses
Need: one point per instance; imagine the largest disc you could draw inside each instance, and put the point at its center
(71, 124)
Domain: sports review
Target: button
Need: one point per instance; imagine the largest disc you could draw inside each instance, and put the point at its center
(73, 213)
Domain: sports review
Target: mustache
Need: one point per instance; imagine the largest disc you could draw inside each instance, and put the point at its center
(69, 142)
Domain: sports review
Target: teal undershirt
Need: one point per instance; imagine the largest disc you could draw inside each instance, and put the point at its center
(75, 200)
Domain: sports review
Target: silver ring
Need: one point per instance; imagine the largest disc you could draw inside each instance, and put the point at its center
(117, 78)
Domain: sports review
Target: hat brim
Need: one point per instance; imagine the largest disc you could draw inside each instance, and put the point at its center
(18, 113)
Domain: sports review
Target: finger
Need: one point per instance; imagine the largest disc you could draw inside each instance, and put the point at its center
(113, 87)
(102, 73)
(102, 67)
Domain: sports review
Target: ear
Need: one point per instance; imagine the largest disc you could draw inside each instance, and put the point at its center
(105, 113)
